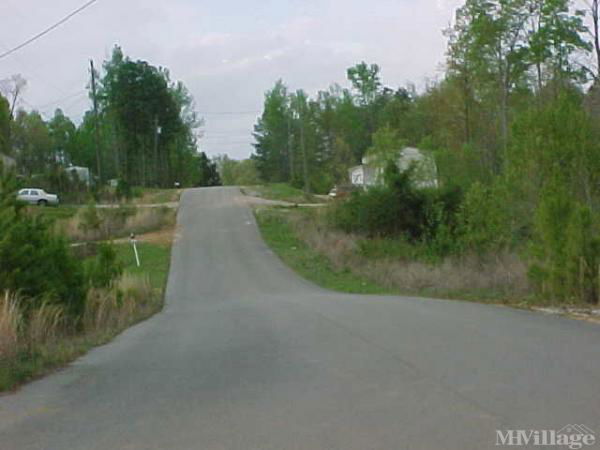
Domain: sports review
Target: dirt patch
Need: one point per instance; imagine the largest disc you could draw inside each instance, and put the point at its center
(161, 237)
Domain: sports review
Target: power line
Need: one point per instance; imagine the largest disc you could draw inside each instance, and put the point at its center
(48, 30)
(68, 97)
(228, 113)
(33, 74)
(213, 144)
(35, 108)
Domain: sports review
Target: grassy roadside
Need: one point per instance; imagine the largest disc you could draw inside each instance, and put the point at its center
(107, 315)
(281, 192)
(155, 196)
(154, 262)
(280, 236)
(340, 263)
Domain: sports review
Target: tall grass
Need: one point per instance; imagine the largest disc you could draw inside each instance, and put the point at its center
(96, 224)
(10, 323)
(395, 265)
(130, 299)
(32, 343)
(45, 324)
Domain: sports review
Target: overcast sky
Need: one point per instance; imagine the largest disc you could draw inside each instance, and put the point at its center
(227, 52)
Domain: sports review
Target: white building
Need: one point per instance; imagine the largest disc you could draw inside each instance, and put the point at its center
(7, 162)
(369, 173)
(80, 173)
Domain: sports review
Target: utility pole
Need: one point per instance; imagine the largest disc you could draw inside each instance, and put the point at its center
(96, 125)
(290, 148)
(156, 164)
(304, 159)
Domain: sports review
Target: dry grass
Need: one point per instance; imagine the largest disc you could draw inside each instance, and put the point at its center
(31, 345)
(45, 325)
(10, 323)
(499, 276)
(130, 299)
(116, 222)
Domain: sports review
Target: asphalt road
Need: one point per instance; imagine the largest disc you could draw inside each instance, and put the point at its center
(246, 355)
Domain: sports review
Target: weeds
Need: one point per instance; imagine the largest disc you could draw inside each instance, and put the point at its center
(394, 265)
(45, 338)
(10, 322)
(95, 224)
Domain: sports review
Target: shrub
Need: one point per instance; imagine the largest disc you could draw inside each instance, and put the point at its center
(483, 219)
(123, 190)
(104, 268)
(90, 219)
(35, 261)
(392, 210)
(566, 247)
(398, 209)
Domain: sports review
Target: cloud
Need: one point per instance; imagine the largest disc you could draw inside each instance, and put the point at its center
(228, 52)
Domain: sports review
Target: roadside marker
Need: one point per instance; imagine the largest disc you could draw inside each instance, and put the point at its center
(133, 241)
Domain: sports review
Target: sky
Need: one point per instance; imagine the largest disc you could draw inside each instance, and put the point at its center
(227, 52)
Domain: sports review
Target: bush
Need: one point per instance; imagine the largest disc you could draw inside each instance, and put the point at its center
(90, 219)
(566, 247)
(35, 261)
(383, 211)
(102, 270)
(123, 190)
(398, 209)
(483, 219)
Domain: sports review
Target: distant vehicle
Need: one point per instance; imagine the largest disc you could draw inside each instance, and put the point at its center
(37, 197)
(342, 191)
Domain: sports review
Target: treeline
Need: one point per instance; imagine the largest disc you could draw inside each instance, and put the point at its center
(143, 131)
(513, 126)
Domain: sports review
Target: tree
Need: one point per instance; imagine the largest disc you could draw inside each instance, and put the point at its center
(5, 123)
(237, 173)
(149, 122)
(12, 88)
(62, 133)
(208, 174)
(555, 35)
(365, 80)
(386, 147)
(273, 155)
(32, 143)
(35, 261)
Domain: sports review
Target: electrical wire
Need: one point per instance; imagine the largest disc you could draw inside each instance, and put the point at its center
(60, 100)
(48, 30)
(228, 113)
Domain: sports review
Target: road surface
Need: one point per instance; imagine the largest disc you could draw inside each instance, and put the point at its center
(246, 355)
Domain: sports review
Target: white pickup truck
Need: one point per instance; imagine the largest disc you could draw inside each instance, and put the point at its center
(36, 196)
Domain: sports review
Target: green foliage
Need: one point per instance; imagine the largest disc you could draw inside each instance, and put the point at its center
(386, 147)
(237, 173)
(283, 192)
(5, 146)
(90, 219)
(102, 270)
(483, 220)
(155, 259)
(365, 80)
(400, 210)
(280, 236)
(566, 247)
(208, 175)
(123, 190)
(35, 261)
(556, 139)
